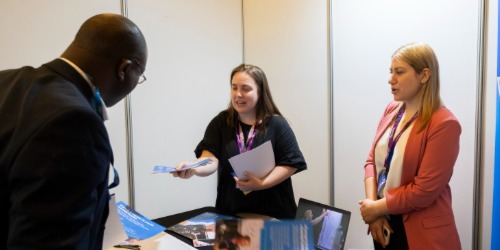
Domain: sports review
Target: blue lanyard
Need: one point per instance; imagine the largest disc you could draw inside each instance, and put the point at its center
(116, 180)
(392, 141)
(97, 103)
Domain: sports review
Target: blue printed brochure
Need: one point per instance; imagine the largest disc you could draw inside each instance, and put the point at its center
(135, 225)
(260, 234)
(167, 169)
(200, 228)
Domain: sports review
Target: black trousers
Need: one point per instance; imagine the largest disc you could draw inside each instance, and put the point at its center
(398, 237)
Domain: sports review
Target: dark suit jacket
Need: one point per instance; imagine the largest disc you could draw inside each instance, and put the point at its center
(54, 159)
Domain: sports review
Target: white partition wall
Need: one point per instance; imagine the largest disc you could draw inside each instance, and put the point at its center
(193, 46)
(365, 34)
(288, 40)
(33, 32)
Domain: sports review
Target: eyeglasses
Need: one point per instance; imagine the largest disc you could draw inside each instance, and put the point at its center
(142, 77)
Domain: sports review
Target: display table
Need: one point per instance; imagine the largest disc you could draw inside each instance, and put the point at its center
(174, 219)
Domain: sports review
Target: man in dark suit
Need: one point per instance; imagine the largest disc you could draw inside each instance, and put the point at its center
(55, 152)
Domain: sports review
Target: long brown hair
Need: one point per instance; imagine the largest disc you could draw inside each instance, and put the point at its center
(265, 106)
(421, 56)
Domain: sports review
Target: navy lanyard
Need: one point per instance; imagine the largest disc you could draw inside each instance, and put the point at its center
(392, 141)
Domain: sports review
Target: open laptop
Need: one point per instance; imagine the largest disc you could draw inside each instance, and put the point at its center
(330, 224)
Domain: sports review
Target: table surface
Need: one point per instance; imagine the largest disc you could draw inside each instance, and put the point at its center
(174, 219)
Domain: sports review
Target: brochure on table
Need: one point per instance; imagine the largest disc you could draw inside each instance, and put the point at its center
(259, 234)
(126, 226)
(200, 228)
(136, 225)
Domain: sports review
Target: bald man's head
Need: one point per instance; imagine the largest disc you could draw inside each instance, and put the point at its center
(112, 50)
(111, 35)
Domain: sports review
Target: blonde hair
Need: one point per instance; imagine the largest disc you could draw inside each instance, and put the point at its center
(421, 56)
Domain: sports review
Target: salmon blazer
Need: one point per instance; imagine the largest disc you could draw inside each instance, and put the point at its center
(424, 197)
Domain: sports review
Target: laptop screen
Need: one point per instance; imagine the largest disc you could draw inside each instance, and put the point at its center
(330, 224)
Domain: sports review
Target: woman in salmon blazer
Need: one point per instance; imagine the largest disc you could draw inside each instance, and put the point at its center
(407, 173)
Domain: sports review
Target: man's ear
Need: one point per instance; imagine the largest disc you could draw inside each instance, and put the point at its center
(123, 68)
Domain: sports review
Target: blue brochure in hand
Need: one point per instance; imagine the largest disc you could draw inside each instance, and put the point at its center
(167, 169)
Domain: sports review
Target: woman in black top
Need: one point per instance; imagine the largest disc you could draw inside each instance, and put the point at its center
(251, 119)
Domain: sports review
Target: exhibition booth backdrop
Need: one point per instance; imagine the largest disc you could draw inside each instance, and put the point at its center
(327, 64)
